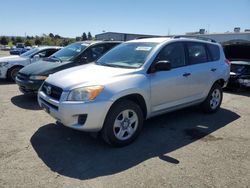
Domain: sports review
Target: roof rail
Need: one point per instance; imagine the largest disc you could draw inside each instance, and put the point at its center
(148, 37)
(194, 37)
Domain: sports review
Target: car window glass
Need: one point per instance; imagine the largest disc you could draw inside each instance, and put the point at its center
(50, 52)
(42, 54)
(214, 51)
(69, 52)
(173, 53)
(197, 53)
(93, 53)
(110, 45)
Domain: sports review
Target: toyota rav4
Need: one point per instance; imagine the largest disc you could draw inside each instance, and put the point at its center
(135, 81)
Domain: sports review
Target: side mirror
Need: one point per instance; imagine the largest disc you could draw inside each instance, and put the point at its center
(162, 66)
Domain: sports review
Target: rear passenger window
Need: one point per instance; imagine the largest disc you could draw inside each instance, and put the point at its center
(174, 53)
(197, 53)
(214, 51)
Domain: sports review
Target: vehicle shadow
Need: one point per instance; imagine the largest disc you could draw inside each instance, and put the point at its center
(28, 102)
(77, 155)
(6, 82)
(242, 92)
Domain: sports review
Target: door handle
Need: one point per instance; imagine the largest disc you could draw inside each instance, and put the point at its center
(213, 69)
(186, 74)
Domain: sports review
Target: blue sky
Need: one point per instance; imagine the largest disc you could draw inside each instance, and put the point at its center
(72, 17)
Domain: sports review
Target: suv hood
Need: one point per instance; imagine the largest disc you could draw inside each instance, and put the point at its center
(44, 68)
(13, 58)
(86, 75)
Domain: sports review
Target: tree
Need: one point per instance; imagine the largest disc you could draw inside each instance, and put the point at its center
(51, 35)
(84, 36)
(78, 38)
(64, 42)
(38, 41)
(4, 40)
(28, 37)
(19, 40)
(28, 43)
(89, 36)
(13, 39)
(58, 36)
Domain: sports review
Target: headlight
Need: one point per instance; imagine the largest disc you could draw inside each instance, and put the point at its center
(85, 93)
(2, 64)
(38, 77)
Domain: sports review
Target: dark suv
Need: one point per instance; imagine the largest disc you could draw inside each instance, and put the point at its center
(31, 77)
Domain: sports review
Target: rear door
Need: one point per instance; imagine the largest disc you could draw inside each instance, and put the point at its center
(201, 69)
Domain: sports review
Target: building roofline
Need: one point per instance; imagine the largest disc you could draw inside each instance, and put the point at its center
(128, 34)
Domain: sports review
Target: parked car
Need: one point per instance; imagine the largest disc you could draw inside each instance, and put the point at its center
(19, 49)
(135, 81)
(239, 56)
(31, 77)
(10, 65)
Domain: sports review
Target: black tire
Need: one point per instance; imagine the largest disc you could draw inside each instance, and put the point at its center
(108, 130)
(11, 75)
(206, 105)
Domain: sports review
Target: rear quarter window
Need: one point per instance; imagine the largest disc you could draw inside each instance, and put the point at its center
(214, 52)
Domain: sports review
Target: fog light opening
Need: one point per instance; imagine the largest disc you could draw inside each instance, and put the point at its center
(82, 119)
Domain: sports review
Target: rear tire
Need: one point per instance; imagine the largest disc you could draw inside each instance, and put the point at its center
(12, 73)
(213, 100)
(123, 123)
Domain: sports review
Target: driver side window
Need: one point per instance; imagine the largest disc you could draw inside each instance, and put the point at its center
(173, 53)
(93, 53)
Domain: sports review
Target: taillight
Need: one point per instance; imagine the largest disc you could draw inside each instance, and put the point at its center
(227, 61)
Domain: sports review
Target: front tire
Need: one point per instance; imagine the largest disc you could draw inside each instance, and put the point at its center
(123, 123)
(213, 100)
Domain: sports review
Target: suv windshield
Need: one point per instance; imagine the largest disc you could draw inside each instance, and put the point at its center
(69, 51)
(30, 52)
(127, 55)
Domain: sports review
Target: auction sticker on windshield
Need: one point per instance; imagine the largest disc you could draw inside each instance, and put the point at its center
(143, 48)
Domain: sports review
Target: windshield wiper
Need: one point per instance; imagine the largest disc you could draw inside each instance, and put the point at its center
(117, 66)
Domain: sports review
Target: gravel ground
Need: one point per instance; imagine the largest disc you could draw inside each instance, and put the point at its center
(182, 149)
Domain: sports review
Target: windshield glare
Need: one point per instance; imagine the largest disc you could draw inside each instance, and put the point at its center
(69, 51)
(30, 52)
(127, 55)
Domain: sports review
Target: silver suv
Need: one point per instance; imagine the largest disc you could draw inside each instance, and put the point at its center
(135, 81)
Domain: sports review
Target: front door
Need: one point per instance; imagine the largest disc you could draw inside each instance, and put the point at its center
(169, 88)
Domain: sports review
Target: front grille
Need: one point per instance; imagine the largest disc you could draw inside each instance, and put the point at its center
(22, 76)
(48, 103)
(52, 91)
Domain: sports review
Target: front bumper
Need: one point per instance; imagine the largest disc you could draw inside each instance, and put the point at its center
(29, 86)
(68, 112)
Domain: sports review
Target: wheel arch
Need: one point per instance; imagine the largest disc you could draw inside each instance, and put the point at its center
(11, 68)
(14, 66)
(136, 98)
(220, 81)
